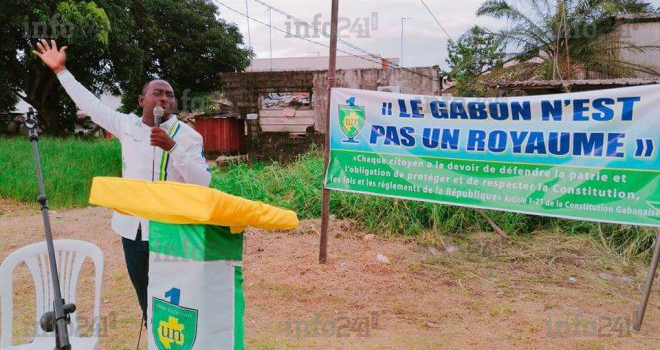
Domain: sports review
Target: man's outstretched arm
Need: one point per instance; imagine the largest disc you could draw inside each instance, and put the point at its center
(86, 101)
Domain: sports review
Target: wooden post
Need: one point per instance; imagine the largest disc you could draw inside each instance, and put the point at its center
(649, 283)
(325, 204)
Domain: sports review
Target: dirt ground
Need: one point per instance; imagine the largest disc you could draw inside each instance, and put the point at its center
(518, 297)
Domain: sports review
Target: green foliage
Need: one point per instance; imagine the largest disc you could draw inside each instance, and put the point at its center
(571, 36)
(187, 44)
(8, 98)
(475, 52)
(7, 101)
(90, 20)
(22, 23)
(68, 166)
(297, 186)
(115, 46)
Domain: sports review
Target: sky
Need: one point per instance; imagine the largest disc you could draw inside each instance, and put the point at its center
(424, 42)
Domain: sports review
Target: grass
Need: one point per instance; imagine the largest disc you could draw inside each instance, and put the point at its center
(296, 186)
(68, 166)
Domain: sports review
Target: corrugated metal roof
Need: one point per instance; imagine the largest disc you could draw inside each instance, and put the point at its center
(586, 82)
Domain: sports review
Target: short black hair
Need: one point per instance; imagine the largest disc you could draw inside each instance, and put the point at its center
(145, 87)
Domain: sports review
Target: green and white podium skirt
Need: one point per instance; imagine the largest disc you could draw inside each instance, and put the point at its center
(195, 252)
(195, 288)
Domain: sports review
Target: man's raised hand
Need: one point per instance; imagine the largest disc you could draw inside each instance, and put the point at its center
(51, 57)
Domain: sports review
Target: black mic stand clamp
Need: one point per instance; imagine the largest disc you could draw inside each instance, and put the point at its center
(59, 318)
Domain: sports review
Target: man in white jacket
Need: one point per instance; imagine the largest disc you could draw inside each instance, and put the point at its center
(171, 152)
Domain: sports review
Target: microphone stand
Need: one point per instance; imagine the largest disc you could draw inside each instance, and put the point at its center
(59, 318)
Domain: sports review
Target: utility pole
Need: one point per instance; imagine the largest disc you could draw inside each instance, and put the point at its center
(270, 28)
(332, 66)
(247, 18)
(401, 58)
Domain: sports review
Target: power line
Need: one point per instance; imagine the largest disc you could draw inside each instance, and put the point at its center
(321, 44)
(317, 30)
(355, 47)
(436, 21)
(273, 27)
(217, 59)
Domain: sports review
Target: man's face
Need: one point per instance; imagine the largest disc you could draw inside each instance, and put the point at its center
(157, 93)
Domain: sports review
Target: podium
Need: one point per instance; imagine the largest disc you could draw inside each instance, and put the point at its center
(195, 257)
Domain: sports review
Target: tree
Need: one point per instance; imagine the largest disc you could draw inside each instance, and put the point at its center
(571, 36)
(114, 46)
(475, 52)
(20, 23)
(189, 46)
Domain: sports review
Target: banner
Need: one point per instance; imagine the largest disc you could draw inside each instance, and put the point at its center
(588, 155)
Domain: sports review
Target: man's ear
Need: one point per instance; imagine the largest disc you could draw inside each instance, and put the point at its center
(141, 100)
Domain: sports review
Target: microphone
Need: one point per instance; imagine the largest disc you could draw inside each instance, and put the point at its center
(158, 115)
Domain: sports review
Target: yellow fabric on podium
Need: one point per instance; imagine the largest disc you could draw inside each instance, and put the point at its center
(179, 203)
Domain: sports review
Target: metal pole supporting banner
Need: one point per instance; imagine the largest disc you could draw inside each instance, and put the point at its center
(325, 214)
(649, 283)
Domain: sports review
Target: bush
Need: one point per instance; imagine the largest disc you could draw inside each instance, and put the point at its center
(297, 186)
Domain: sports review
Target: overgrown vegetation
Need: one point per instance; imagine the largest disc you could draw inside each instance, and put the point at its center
(297, 187)
(69, 165)
(472, 54)
(570, 36)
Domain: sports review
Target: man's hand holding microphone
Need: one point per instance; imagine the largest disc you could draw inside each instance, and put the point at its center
(159, 137)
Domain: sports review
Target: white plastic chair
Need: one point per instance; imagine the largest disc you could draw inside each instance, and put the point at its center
(70, 255)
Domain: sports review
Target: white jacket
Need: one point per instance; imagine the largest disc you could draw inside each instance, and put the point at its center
(184, 163)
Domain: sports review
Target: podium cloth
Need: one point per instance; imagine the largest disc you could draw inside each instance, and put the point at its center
(195, 288)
